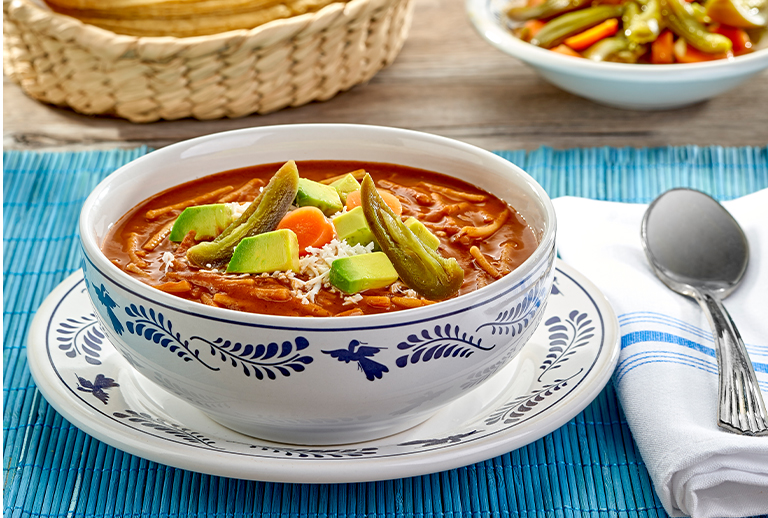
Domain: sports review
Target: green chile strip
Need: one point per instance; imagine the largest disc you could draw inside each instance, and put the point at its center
(557, 30)
(642, 26)
(263, 215)
(683, 23)
(420, 268)
(546, 9)
(606, 48)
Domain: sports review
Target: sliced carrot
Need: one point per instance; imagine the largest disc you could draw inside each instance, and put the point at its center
(310, 225)
(534, 26)
(353, 200)
(565, 49)
(742, 44)
(528, 30)
(685, 53)
(591, 36)
(661, 49)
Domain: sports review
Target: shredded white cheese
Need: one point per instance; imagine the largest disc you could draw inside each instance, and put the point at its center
(238, 209)
(167, 259)
(317, 266)
(352, 299)
(399, 288)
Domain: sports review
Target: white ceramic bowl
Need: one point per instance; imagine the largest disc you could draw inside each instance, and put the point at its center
(274, 377)
(621, 85)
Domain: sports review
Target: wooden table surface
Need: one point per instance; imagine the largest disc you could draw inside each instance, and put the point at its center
(447, 81)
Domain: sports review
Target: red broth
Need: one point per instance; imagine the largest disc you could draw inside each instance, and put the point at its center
(138, 242)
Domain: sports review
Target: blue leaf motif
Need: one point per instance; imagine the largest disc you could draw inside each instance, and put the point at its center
(155, 328)
(565, 337)
(450, 342)
(271, 351)
(263, 362)
(82, 335)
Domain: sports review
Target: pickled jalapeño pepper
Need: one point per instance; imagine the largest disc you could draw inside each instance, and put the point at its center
(422, 269)
(263, 215)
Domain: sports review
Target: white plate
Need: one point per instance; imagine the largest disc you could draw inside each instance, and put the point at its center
(559, 372)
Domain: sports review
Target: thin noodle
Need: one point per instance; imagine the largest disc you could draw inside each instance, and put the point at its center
(359, 174)
(455, 208)
(408, 302)
(382, 301)
(483, 262)
(199, 200)
(453, 192)
(213, 280)
(134, 252)
(351, 313)
(506, 256)
(448, 228)
(421, 198)
(208, 300)
(186, 244)
(315, 310)
(175, 287)
(131, 267)
(252, 186)
(278, 294)
(487, 230)
(161, 234)
(231, 302)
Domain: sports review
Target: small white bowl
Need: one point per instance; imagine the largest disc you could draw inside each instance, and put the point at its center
(621, 85)
(275, 377)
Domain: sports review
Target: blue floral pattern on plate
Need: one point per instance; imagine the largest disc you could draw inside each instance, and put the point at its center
(576, 346)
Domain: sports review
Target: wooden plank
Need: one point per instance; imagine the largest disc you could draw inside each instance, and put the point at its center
(447, 81)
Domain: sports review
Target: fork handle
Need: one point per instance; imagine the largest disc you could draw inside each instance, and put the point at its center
(741, 408)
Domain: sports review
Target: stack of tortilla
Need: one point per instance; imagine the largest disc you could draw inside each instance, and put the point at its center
(181, 18)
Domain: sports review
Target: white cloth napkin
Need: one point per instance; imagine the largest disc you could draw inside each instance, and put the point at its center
(666, 377)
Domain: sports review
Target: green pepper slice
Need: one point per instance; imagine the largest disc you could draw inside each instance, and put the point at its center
(422, 269)
(680, 19)
(606, 48)
(642, 21)
(557, 30)
(546, 9)
(263, 215)
(617, 49)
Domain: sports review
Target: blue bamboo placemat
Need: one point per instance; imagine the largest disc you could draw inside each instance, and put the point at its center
(588, 467)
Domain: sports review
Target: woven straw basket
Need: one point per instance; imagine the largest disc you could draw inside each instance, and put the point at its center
(59, 60)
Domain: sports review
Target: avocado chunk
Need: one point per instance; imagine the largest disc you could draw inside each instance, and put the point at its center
(265, 253)
(346, 185)
(422, 232)
(208, 221)
(352, 227)
(319, 195)
(362, 272)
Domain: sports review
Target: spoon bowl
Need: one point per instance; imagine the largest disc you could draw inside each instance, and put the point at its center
(692, 243)
(697, 249)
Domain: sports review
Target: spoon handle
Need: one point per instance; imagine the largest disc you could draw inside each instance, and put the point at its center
(741, 408)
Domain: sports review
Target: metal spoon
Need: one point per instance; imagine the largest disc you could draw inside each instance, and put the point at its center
(697, 249)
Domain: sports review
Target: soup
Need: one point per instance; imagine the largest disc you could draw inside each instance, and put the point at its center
(341, 262)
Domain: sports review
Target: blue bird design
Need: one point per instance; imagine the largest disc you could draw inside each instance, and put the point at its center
(110, 304)
(97, 386)
(372, 369)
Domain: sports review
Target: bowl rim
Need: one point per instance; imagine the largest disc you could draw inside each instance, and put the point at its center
(491, 29)
(500, 288)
